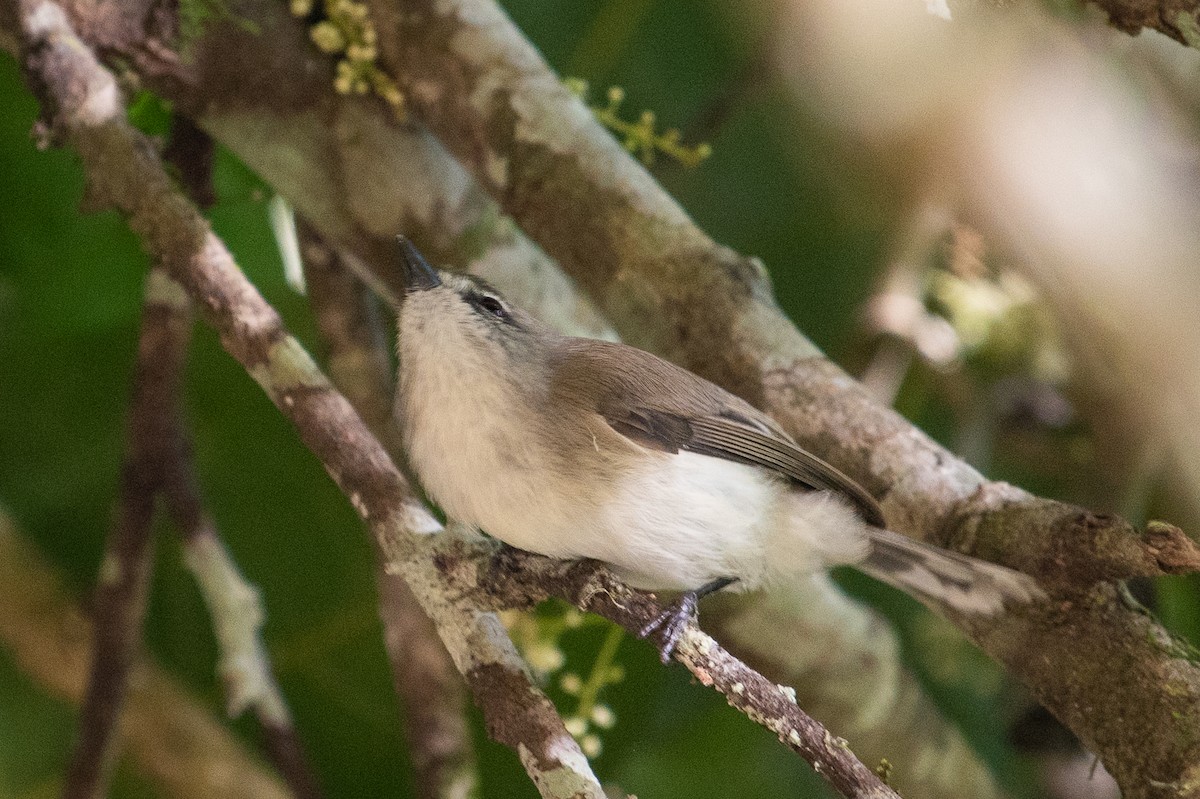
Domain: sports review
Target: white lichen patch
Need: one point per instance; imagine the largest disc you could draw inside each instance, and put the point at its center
(45, 19)
(572, 778)
(101, 101)
(110, 570)
(288, 366)
(938, 8)
(417, 520)
(162, 289)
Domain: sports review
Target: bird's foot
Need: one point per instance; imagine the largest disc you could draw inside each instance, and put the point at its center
(675, 617)
(671, 623)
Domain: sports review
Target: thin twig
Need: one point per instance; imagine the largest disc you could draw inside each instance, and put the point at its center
(520, 577)
(237, 617)
(123, 584)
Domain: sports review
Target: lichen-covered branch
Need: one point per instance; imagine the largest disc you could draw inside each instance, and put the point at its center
(842, 662)
(490, 98)
(519, 577)
(83, 105)
(424, 676)
(168, 734)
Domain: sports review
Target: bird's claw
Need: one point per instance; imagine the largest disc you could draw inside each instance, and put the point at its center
(671, 623)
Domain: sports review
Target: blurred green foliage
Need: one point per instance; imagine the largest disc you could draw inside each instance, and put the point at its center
(778, 185)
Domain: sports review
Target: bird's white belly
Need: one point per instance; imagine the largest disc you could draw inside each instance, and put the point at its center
(684, 520)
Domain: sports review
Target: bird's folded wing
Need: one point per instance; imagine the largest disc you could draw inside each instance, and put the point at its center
(741, 440)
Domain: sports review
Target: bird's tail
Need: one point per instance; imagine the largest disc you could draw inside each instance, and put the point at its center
(944, 580)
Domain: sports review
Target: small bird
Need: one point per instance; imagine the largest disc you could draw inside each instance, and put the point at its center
(580, 448)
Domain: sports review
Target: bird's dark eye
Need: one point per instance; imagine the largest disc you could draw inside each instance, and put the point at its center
(493, 306)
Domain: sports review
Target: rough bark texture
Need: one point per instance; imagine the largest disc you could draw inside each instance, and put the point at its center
(515, 576)
(844, 665)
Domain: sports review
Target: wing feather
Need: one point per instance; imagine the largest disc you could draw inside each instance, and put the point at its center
(734, 440)
(658, 405)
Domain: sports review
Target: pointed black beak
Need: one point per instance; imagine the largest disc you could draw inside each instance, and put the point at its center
(418, 274)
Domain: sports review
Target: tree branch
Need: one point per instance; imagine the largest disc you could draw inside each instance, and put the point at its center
(84, 108)
(122, 587)
(245, 667)
(517, 578)
(846, 668)
(666, 286)
(83, 104)
(424, 676)
(1175, 18)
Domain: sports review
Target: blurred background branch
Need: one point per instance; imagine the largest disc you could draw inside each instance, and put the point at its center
(173, 739)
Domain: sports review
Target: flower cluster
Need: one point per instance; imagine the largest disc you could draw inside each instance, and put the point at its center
(641, 137)
(347, 31)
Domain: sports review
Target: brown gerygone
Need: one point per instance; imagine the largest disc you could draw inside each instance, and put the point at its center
(578, 448)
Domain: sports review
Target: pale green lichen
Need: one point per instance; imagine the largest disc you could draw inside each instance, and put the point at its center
(641, 137)
(1189, 28)
(347, 31)
(288, 367)
(162, 289)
